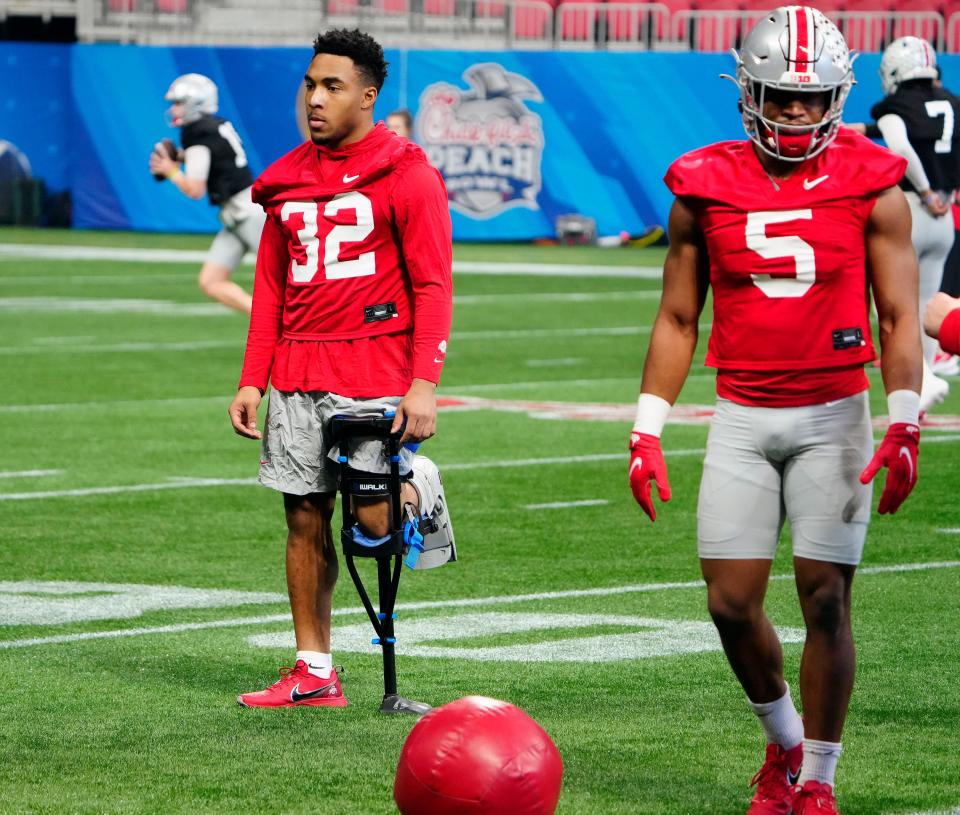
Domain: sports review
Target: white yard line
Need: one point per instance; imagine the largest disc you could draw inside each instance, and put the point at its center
(199, 345)
(465, 602)
(554, 297)
(568, 383)
(186, 482)
(122, 347)
(587, 502)
(950, 530)
(33, 251)
(28, 473)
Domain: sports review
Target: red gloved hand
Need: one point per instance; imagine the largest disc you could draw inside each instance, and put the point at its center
(646, 465)
(898, 453)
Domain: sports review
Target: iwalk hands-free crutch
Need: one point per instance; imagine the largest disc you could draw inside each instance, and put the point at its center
(388, 551)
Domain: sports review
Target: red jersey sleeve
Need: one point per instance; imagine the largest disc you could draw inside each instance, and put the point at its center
(266, 321)
(422, 219)
(950, 332)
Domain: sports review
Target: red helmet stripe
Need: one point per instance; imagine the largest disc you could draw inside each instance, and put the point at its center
(803, 40)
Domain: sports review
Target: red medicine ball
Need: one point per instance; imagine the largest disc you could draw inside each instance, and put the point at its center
(478, 756)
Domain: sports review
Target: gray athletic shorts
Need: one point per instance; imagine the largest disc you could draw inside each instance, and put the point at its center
(242, 224)
(298, 456)
(765, 465)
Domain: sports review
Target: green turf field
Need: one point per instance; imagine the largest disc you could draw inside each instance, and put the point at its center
(142, 569)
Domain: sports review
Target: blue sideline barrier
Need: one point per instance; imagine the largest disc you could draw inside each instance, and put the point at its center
(573, 132)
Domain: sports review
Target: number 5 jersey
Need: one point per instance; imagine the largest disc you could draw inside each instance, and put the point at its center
(353, 291)
(788, 266)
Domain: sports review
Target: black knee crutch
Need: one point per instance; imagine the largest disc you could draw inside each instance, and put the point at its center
(388, 551)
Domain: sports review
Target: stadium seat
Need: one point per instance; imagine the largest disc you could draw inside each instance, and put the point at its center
(918, 22)
(577, 20)
(343, 7)
(951, 13)
(866, 24)
(122, 5)
(172, 6)
(439, 8)
(629, 21)
(711, 25)
(533, 21)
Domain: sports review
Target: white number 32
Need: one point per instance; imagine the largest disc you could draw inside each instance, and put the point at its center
(789, 246)
(333, 267)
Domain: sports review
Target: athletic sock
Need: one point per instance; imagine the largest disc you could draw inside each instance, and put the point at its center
(780, 721)
(819, 761)
(318, 663)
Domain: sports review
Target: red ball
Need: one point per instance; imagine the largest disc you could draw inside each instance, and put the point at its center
(478, 756)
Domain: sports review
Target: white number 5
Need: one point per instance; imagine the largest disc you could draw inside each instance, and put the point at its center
(788, 246)
(333, 267)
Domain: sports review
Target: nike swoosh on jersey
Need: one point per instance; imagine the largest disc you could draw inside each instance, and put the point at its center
(809, 184)
(296, 696)
(905, 453)
(347, 178)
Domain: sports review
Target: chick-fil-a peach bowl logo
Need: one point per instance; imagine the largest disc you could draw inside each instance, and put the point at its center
(484, 140)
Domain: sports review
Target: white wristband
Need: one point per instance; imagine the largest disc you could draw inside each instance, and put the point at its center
(652, 412)
(903, 406)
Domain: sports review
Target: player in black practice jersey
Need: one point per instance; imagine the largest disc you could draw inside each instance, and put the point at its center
(215, 164)
(920, 120)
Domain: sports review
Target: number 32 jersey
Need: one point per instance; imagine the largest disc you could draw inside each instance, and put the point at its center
(788, 266)
(353, 291)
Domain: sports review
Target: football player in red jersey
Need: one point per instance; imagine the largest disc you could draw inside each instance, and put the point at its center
(791, 229)
(351, 313)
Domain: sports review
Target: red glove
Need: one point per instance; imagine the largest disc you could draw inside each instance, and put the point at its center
(898, 453)
(646, 464)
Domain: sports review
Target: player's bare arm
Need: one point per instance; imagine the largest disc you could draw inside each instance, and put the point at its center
(675, 331)
(243, 412)
(672, 346)
(892, 265)
(417, 412)
(162, 164)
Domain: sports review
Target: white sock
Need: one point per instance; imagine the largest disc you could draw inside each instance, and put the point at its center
(318, 663)
(780, 721)
(819, 761)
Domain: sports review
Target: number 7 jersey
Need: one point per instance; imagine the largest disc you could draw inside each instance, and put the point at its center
(787, 258)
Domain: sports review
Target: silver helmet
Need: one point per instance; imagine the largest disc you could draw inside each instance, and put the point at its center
(196, 93)
(793, 48)
(905, 59)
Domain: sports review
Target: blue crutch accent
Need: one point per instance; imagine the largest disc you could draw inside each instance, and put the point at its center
(413, 540)
(363, 540)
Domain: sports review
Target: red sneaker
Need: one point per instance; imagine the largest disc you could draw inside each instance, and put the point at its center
(297, 687)
(774, 781)
(814, 798)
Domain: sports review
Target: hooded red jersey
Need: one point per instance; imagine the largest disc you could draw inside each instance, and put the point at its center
(791, 321)
(353, 290)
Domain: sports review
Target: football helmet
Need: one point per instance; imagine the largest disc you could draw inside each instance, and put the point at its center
(196, 93)
(905, 59)
(793, 48)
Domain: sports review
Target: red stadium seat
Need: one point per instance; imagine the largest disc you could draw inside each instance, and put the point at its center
(867, 24)
(172, 6)
(346, 7)
(951, 13)
(392, 7)
(632, 21)
(577, 20)
(122, 5)
(924, 23)
(439, 8)
(533, 20)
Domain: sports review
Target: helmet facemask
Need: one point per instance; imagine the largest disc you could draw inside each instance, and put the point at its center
(794, 49)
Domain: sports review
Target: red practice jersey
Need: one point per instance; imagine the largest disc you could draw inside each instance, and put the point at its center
(353, 291)
(791, 322)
